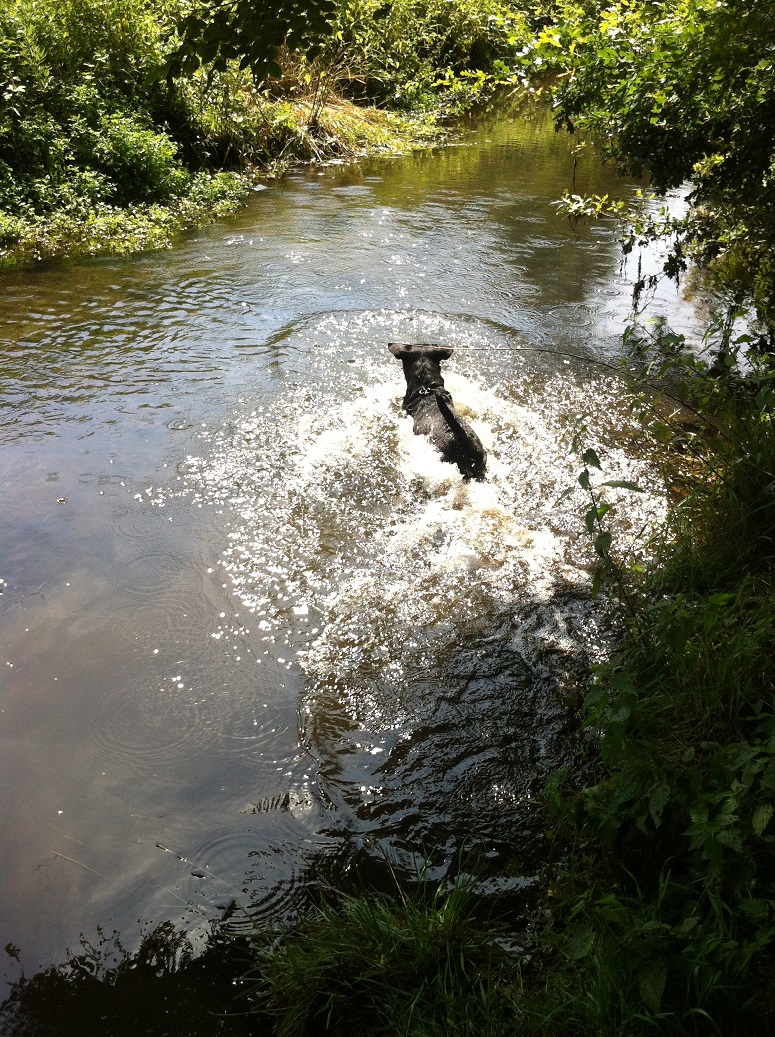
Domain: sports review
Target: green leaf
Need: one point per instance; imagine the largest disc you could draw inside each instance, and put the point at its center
(250, 33)
(755, 910)
(633, 782)
(564, 495)
(659, 794)
(580, 945)
(603, 544)
(589, 457)
(761, 818)
(730, 837)
(623, 484)
(651, 983)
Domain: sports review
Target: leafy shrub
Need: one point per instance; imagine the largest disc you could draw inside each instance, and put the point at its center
(142, 163)
(667, 916)
(73, 74)
(400, 51)
(682, 90)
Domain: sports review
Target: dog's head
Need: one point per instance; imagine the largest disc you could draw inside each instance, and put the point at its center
(415, 350)
(421, 362)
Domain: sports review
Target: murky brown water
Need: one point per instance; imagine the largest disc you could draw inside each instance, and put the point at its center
(252, 629)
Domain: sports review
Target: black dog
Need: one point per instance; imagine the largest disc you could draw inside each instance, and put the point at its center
(433, 411)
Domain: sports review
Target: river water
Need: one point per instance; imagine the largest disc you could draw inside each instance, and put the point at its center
(253, 631)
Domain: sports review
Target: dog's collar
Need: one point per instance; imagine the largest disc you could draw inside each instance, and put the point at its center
(427, 390)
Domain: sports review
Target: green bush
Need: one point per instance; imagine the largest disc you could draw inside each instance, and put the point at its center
(401, 51)
(142, 163)
(78, 112)
(666, 916)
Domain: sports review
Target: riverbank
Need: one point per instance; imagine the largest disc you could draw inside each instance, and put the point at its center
(295, 131)
(100, 153)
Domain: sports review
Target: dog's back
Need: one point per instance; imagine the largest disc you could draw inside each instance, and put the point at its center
(432, 410)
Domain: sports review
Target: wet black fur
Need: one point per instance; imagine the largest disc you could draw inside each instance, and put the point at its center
(433, 411)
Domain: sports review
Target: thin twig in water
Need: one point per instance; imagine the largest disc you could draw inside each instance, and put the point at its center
(193, 864)
(86, 867)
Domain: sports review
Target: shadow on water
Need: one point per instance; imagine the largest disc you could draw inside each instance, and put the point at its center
(458, 770)
(164, 988)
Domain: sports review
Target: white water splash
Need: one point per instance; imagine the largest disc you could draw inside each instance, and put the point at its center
(355, 540)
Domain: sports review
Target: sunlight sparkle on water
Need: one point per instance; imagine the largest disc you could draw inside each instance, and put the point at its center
(347, 520)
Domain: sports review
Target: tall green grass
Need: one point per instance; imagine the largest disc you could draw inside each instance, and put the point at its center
(419, 965)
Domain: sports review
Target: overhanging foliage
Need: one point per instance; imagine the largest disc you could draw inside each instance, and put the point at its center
(250, 33)
(682, 90)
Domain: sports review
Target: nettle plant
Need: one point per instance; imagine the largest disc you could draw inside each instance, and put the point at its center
(610, 570)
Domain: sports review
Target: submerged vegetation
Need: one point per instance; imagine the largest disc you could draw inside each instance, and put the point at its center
(661, 918)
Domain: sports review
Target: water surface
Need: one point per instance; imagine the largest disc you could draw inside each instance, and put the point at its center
(252, 629)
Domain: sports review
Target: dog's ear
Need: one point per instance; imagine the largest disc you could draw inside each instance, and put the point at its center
(441, 352)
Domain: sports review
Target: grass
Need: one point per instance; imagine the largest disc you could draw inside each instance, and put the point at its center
(419, 965)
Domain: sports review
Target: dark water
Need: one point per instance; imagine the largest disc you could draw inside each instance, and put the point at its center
(253, 629)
